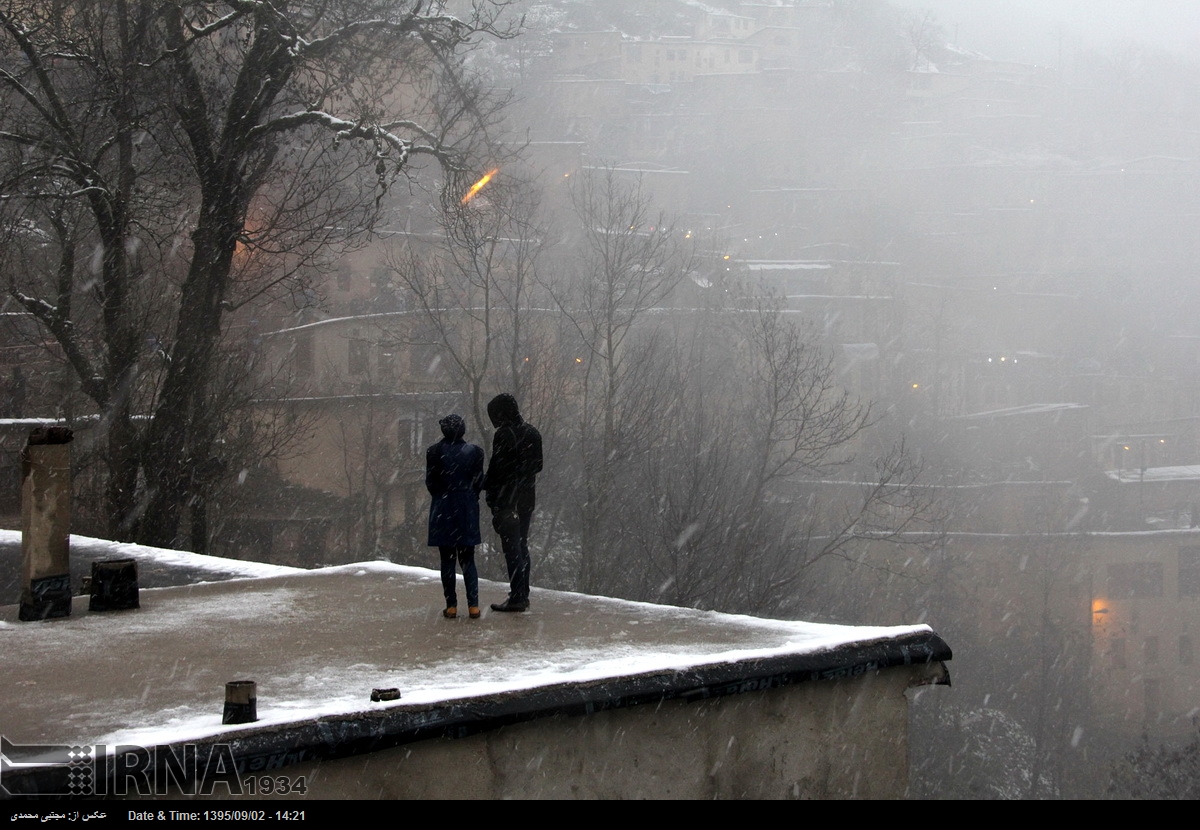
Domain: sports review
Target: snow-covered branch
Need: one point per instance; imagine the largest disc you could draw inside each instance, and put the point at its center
(24, 140)
(54, 111)
(203, 31)
(13, 82)
(64, 332)
(381, 136)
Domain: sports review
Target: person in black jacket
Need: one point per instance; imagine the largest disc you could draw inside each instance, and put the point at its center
(454, 477)
(512, 472)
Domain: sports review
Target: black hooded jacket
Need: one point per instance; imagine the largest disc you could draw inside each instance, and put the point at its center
(516, 457)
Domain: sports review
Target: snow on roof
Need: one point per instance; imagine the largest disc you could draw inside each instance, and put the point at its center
(317, 642)
(373, 316)
(882, 297)
(795, 265)
(218, 567)
(377, 316)
(432, 397)
(1152, 475)
(1020, 411)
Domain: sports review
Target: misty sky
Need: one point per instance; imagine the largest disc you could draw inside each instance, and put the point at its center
(1026, 30)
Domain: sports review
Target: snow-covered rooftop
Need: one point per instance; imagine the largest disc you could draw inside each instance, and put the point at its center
(1153, 475)
(1021, 411)
(157, 567)
(317, 643)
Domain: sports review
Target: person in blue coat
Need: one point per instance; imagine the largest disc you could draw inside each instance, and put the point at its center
(454, 476)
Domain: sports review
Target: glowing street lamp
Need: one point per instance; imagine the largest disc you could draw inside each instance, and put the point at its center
(479, 185)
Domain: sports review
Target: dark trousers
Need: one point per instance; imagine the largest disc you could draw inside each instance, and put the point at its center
(465, 555)
(513, 528)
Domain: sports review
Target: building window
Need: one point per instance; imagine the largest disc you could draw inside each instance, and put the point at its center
(1150, 650)
(1116, 650)
(411, 436)
(424, 355)
(1153, 698)
(387, 296)
(1135, 580)
(358, 353)
(387, 364)
(745, 56)
(1189, 572)
(302, 353)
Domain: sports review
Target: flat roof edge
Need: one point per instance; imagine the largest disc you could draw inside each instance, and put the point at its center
(266, 749)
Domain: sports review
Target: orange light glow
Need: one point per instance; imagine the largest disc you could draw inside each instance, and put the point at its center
(1099, 611)
(479, 185)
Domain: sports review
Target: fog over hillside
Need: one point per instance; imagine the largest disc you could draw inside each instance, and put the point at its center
(988, 211)
(1031, 30)
(846, 311)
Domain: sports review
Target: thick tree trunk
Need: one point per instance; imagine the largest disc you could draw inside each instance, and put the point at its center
(172, 449)
(122, 479)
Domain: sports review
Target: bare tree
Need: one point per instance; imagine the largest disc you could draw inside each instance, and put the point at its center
(629, 259)
(754, 473)
(472, 286)
(924, 36)
(1162, 772)
(176, 161)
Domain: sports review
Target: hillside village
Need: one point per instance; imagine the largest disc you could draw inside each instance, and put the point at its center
(995, 257)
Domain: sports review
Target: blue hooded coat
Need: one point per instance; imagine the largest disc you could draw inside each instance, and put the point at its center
(454, 477)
